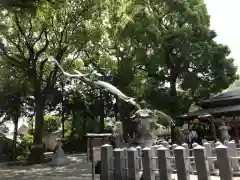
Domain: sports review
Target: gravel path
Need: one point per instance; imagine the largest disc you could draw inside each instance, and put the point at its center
(77, 168)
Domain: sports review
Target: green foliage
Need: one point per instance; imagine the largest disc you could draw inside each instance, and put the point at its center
(181, 52)
(24, 147)
(160, 51)
(236, 84)
(51, 123)
(193, 107)
(60, 30)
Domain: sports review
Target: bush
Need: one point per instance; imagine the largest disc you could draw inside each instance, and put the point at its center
(6, 149)
(24, 147)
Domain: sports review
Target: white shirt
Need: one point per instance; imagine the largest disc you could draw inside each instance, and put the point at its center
(192, 135)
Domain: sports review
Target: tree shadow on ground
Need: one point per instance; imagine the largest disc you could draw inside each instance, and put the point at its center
(76, 168)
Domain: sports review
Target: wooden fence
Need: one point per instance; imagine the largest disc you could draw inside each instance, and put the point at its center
(160, 161)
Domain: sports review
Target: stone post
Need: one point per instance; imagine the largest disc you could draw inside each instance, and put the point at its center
(163, 164)
(139, 157)
(174, 146)
(225, 168)
(125, 164)
(194, 144)
(181, 165)
(201, 163)
(188, 162)
(147, 164)
(217, 143)
(154, 153)
(107, 162)
(165, 144)
(232, 152)
(208, 149)
(133, 173)
(118, 164)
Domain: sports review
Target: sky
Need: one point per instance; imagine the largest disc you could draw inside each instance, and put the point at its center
(224, 14)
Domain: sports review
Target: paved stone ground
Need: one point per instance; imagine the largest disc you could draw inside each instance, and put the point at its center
(76, 169)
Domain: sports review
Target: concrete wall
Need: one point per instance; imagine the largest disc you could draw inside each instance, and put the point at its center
(23, 130)
(50, 140)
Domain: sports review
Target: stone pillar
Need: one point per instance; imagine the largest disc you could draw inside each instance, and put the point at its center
(188, 162)
(154, 153)
(107, 162)
(163, 164)
(181, 165)
(208, 149)
(133, 173)
(147, 164)
(232, 152)
(118, 164)
(201, 163)
(225, 168)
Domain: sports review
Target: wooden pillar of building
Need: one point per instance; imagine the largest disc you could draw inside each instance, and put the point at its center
(235, 129)
(213, 129)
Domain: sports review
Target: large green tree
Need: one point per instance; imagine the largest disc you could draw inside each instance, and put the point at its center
(30, 40)
(13, 93)
(177, 49)
(148, 49)
(163, 46)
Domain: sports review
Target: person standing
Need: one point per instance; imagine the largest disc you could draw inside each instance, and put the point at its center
(192, 137)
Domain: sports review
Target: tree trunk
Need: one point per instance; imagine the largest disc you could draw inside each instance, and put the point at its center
(63, 125)
(124, 112)
(74, 116)
(63, 110)
(173, 106)
(15, 120)
(101, 110)
(63, 120)
(116, 110)
(37, 147)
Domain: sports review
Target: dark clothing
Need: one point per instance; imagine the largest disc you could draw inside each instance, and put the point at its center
(98, 167)
(113, 143)
(109, 130)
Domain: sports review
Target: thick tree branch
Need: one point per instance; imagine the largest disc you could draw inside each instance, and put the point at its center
(40, 34)
(29, 46)
(17, 45)
(13, 61)
(41, 68)
(30, 32)
(43, 49)
(52, 78)
(95, 65)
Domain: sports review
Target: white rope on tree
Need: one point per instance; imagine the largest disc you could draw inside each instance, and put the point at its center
(102, 84)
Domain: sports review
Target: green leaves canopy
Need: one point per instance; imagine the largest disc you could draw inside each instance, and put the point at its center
(148, 49)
